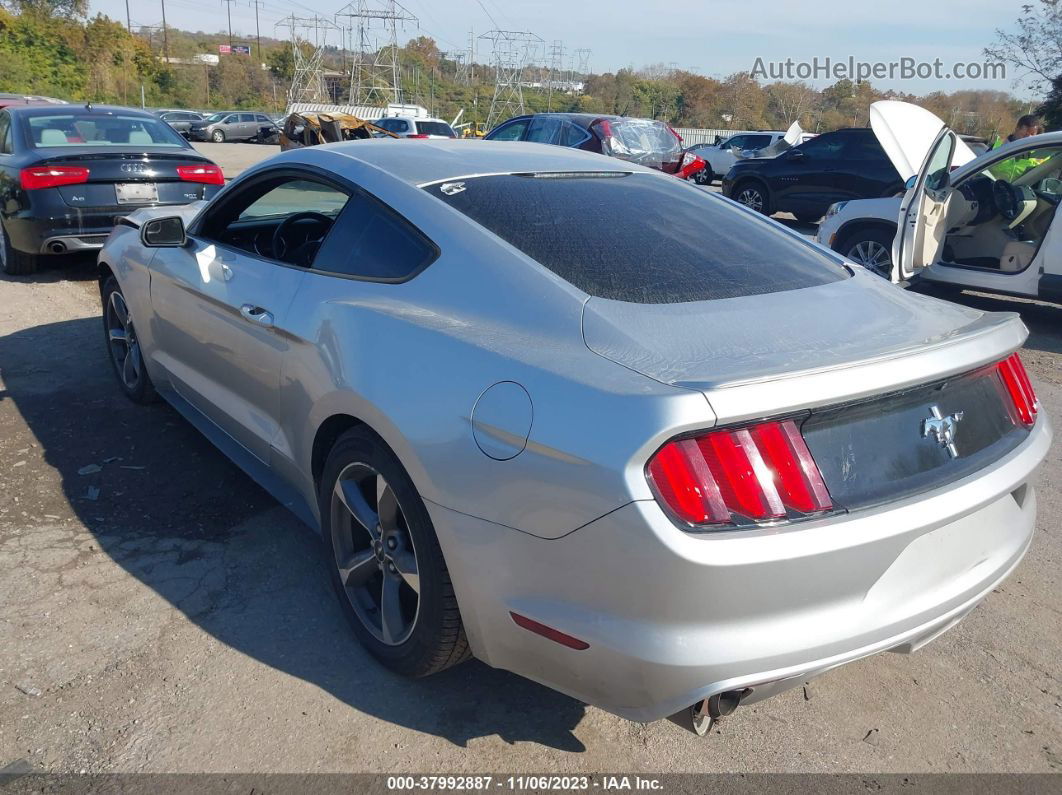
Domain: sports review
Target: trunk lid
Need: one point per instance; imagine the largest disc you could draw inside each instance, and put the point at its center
(759, 355)
(109, 168)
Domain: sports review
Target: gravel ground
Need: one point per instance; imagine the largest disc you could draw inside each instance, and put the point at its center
(159, 612)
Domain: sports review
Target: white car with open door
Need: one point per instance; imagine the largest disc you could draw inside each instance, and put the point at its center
(984, 223)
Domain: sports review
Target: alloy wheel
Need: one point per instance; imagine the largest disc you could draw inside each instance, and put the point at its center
(374, 554)
(873, 256)
(752, 199)
(123, 344)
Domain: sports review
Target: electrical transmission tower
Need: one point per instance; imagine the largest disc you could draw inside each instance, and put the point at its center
(307, 82)
(374, 76)
(466, 70)
(584, 62)
(511, 52)
(556, 66)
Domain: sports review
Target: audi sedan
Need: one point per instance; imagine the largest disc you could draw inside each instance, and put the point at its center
(535, 422)
(67, 172)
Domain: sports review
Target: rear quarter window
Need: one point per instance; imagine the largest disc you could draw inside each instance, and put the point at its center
(640, 238)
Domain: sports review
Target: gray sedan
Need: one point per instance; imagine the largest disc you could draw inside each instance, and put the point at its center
(538, 417)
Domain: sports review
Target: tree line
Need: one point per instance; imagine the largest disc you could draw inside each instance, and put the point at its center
(51, 47)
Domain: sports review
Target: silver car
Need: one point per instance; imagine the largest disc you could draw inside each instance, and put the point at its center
(536, 419)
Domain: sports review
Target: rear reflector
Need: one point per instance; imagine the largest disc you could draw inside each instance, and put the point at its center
(38, 177)
(549, 632)
(207, 173)
(1016, 380)
(759, 473)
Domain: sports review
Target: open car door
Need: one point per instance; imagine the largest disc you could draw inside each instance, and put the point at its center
(923, 220)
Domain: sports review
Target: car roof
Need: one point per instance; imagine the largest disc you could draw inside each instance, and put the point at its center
(431, 160)
(52, 110)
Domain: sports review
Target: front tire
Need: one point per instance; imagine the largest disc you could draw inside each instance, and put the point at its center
(218, 136)
(14, 262)
(871, 248)
(752, 195)
(384, 559)
(123, 346)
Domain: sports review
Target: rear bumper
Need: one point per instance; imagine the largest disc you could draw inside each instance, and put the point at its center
(671, 618)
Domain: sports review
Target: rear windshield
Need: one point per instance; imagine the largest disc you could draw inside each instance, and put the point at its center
(639, 237)
(435, 128)
(649, 143)
(97, 129)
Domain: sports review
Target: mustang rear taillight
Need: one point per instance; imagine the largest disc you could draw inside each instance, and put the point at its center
(1016, 380)
(39, 177)
(209, 174)
(758, 473)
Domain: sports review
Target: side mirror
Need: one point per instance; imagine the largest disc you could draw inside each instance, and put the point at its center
(163, 232)
(911, 182)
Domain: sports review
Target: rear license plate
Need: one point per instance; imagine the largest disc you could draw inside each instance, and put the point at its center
(136, 192)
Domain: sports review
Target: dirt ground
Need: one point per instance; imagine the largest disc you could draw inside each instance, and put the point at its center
(159, 612)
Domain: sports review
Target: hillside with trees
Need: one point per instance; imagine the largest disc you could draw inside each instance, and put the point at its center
(51, 47)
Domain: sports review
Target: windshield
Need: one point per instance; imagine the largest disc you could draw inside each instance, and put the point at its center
(435, 128)
(639, 237)
(215, 117)
(98, 129)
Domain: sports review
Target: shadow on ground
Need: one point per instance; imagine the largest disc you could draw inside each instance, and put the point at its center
(176, 515)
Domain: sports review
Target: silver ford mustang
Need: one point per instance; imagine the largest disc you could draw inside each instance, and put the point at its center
(582, 420)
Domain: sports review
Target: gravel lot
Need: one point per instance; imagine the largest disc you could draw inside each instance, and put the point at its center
(159, 612)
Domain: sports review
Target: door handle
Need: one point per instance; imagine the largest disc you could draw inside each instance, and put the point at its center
(257, 315)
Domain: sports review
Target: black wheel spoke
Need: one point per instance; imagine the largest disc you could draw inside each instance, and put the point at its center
(354, 501)
(392, 624)
(386, 504)
(358, 568)
(406, 565)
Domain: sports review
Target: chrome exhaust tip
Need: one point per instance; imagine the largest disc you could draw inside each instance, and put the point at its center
(57, 247)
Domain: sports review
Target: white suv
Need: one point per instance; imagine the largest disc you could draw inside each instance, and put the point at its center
(416, 127)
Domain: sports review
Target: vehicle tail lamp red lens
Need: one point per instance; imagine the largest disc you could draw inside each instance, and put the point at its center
(38, 177)
(417, 135)
(691, 164)
(761, 472)
(1016, 380)
(549, 632)
(207, 173)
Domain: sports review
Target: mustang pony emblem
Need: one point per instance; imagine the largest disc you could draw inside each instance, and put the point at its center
(942, 429)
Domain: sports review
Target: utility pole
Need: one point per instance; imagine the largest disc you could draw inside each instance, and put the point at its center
(128, 19)
(228, 8)
(165, 38)
(257, 30)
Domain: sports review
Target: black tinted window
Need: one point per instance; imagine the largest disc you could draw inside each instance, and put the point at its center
(435, 128)
(825, 147)
(5, 133)
(639, 237)
(373, 242)
(509, 132)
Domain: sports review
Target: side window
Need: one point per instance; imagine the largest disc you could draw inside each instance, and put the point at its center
(863, 147)
(232, 118)
(1022, 163)
(939, 164)
(250, 220)
(261, 117)
(824, 147)
(510, 132)
(371, 241)
(758, 141)
(245, 117)
(737, 142)
(544, 130)
(5, 134)
(572, 134)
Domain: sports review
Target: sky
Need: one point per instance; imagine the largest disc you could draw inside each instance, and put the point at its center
(713, 38)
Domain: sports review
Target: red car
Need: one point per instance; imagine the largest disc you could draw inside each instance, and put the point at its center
(648, 142)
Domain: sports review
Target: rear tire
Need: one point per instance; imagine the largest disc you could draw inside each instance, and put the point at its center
(218, 136)
(419, 631)
(705, 176)
(14, 262)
